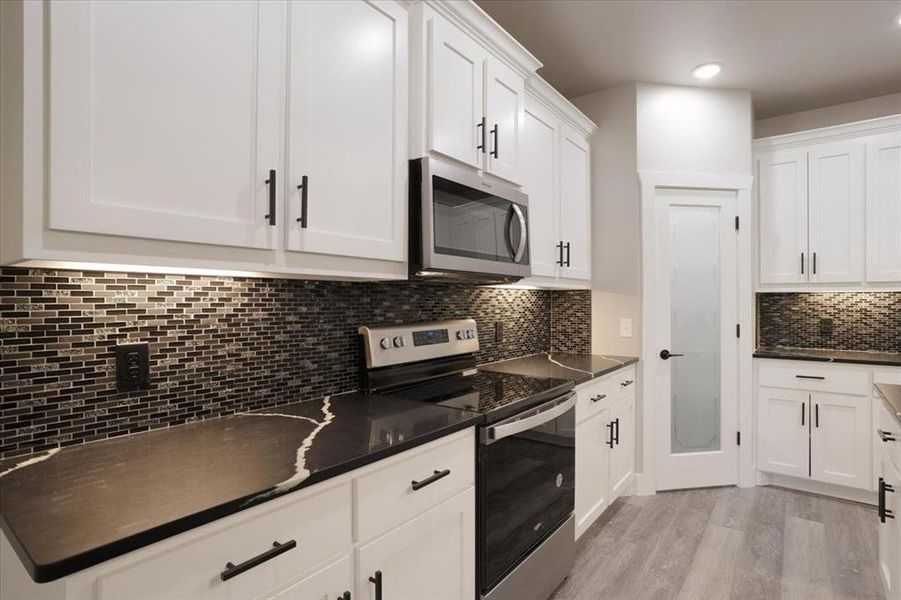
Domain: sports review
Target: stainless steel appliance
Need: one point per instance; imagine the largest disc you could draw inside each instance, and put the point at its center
(465, 227)
(526, 454)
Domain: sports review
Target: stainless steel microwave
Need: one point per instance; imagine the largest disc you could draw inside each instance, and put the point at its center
(464, 227)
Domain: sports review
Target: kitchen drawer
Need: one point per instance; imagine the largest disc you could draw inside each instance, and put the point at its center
(815, 378)
(385, 498)
(624, 382)
(320, 525)
(593, 397)
(887, 428)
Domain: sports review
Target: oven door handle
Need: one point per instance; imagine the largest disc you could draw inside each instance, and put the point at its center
(523, 234)
(499, 432)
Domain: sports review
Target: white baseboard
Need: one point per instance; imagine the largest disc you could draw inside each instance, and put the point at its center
(818, 487)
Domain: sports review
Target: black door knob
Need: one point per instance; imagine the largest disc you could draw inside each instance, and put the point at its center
(666, 354)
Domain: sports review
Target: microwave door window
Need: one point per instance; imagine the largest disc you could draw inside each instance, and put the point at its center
(470, 223)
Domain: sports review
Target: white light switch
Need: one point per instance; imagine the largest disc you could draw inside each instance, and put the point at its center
(625, 328)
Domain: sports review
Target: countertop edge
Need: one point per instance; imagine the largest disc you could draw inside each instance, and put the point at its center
(45, 573)
(776, 355)
(895, 411)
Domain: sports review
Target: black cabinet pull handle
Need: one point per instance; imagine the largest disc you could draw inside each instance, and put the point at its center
(494, 133)
(802, 263)
(304, 188)
(271, 183)
(818, 377)
(629, 382)
(560, 251)
(816, 415)
(610, 440)
(418, 485)
(803, 410)
(231, 569)
(598, 398)
(616, 425)
(377, 580)
(884, 513)
(886, 436)
(568, 264)
(665, 354)
(814, 263)
(481, 127)
(344, 596)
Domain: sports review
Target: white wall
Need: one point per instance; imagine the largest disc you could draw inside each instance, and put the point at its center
(839, 114)
(693, 130)
(615, 232)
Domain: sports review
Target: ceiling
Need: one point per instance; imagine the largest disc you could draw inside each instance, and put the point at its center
(792, 54)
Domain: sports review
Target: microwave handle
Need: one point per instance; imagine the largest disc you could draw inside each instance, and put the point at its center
(499, 432)
(523, 234)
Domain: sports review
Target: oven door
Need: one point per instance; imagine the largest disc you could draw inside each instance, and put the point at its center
(527, 477)
(470, 225)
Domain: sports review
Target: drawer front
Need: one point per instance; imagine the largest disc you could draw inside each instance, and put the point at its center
(887, 427)
(319, 525)
(593, 397)
(386, 497)
(624, 382)
(814, 378)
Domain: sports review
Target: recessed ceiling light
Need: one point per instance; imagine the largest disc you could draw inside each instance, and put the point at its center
(707, 70)
(899, 20)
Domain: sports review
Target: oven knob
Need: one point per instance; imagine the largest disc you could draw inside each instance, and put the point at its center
(461, 335)
(398, 341)
(385, 343)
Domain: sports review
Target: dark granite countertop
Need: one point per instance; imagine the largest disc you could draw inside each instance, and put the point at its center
(69, 509)
(577, 368)
(891, 393)
(889, 359)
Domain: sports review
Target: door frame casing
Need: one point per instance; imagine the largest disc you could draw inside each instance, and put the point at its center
(646, 417)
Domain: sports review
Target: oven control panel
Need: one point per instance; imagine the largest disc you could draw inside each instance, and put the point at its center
(400, 344)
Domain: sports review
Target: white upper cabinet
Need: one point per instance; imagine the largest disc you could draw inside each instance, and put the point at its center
(575, 204)
(782, 193)
(884, 208)
(836, 212)
(455, 93)
(345, 188)
(829, 208)
(539, 152)
(165, 119)
(504, 106)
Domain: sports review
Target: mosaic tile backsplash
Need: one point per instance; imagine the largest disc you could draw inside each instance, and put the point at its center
(833, 320)
(220, 345)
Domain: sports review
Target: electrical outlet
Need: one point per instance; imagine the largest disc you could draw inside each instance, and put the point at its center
(132, 367)
(826, 327)
(498, 331)
(625, 328)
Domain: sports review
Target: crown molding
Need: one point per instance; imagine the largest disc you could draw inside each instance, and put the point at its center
(550, 98)
(834, 133)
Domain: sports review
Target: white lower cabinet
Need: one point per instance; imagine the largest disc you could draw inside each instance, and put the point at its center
(432, 556)
(888, 481)
(783, 443)
(605, 444)
(422, 548)
(334, 582)
(840, 440)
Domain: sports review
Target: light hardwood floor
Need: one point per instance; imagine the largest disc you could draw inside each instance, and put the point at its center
(728, 543)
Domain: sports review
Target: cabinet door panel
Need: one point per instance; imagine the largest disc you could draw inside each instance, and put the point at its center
(592, 469)
(327, 584)
(622, 459)
(504, 97)
(165, 119)
(884, 208)
(455, 86)
(539, 178)
(347, 128)
(783, 439)
(432, 556)
(836, 212)
(782, 192)
(841, 445)
(575, 203)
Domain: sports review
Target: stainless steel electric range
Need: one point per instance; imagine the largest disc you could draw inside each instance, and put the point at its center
(526, 454)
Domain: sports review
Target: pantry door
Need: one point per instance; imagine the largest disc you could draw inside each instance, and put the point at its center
(697, 353)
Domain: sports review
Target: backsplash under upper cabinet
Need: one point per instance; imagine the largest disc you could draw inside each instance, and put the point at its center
(219, 345)
(834, 320)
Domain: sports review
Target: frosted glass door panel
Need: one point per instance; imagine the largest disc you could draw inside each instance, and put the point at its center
(695, 302)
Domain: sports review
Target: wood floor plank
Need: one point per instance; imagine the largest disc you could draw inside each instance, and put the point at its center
(710, 575)
(850, 550)
(733, 508)
(758, 570)
(805, 574)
